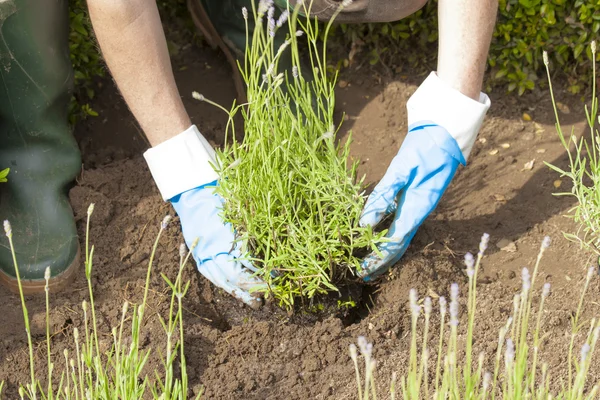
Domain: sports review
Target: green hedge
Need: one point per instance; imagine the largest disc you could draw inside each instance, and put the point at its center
(524, 30)
(85, 58)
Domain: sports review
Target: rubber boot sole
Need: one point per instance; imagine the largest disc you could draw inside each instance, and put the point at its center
(56, 283)
(214, 40)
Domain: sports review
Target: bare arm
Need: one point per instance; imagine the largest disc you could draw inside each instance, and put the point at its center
(133, 44)
(466, 28)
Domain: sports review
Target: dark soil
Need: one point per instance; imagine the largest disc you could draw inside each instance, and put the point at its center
(237, 353)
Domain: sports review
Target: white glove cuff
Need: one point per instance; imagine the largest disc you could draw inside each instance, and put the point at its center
(181, 163)
(460, 115)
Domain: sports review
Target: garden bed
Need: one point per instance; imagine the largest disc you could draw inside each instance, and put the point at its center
(235, 352)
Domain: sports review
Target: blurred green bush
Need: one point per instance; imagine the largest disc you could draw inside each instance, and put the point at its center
(525, 28)
(85, 58)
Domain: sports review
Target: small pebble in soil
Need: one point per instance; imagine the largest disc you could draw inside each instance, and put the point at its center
(528, 136)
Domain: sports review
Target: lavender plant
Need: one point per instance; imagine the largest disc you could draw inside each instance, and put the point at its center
(89, 372)
(290, 190)
(518, 371)
(583, 170)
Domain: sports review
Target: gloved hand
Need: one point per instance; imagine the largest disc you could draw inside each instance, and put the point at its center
(411, 188)
(217, 256)
(443, 125)
(182, 170)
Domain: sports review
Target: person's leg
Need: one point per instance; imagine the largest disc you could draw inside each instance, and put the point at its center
(466, 28)
(37, 144)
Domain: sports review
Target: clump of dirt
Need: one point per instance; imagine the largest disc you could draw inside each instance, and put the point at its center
(235, 352)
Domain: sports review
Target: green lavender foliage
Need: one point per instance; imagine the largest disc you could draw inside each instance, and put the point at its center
(291, 192)
(448, 368)
(583, 170)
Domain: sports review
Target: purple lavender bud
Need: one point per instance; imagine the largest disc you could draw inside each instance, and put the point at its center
(7, 228)
(245, 12)
(270, 70)
(362, 344)
(182, 250)
(469, 260)
(483, 245)
(427, 306)
(282, 18)
(295, 71)
(165, 222)
(353, 353)
(526, 278)
(346, 3)
(487, 379)
(299, 33)
(414, 307)
(454, 313)
(442, 305)
(546, 242)
(546, 290)
(271, 21)
(413, 296)
(470, 263)
(585, 350)
(509, 355)
(262, 7)
(590, 273)
(454, 292)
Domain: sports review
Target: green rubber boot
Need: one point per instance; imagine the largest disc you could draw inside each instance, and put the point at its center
(222, 24)
(37, 144)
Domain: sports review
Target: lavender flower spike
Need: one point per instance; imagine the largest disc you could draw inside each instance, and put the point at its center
(487, 379)
(7, 228)
(282, 18)
(454, 304)
(585, 350)
(590, 273)
(526, 277)
(546, 242)
(427, 307)
(509, 355)
(271, 21)
(245, 12)
(295, 71)
(413, 297)
(443, 303)
(454, 313)
(414, 307)
(470, 263)
(454, 292)
(353, 352)
(546, 290)
(483, 245)
(165, 222)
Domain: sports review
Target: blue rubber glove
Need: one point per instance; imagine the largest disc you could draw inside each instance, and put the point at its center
(182, 168)
(217, 256)
(411, 188)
